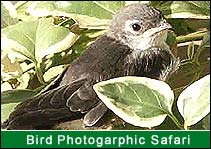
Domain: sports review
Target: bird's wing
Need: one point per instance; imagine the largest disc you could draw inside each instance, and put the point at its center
(86, 101)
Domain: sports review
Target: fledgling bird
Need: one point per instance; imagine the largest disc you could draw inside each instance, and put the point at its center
(134, 45)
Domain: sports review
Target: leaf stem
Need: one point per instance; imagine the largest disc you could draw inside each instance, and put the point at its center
(191, 37)
(176, 121)
(39, 74)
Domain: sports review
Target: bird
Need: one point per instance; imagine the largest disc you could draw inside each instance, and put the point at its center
(134, 45)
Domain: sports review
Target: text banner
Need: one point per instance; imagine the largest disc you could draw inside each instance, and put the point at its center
(105, 139)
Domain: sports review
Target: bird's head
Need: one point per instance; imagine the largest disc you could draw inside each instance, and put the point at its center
(139, 26)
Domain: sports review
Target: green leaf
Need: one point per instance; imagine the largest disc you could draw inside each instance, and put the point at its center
(36, 39)
(53, 72)
(88, 14)
(194, 102)
(139, 101)
(16, 95)
(21, 8)
(109, 6)
(101, 10)
(5, 86)
(171, 39)
(184, 9)
(190, 9)
(6, 109)
(206, 122)
(8, 14)
(23, 79)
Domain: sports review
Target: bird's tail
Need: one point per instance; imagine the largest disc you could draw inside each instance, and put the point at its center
(43, 110)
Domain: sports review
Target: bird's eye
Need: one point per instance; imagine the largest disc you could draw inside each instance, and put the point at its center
(136, 27)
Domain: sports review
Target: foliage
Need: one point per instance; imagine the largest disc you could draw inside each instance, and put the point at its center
(140, 102)
(40, 39)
